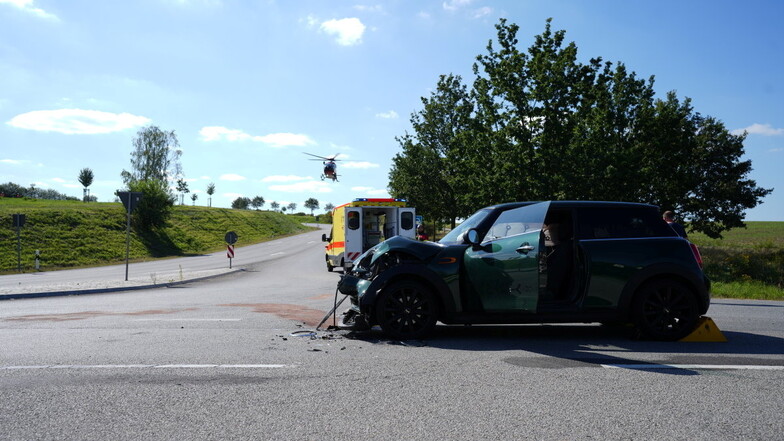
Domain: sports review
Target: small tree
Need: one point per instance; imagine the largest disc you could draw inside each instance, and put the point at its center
(182, 188)
(210, 192)
(241, 203)
(275, 206)
(312, 204)
(86, 179)
(292, 206)
(329, 207)
(257, 202)
(194, 196)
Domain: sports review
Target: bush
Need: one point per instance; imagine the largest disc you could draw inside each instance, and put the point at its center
(154, 210)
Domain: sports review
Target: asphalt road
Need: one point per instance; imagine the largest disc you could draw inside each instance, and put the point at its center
(237, 357)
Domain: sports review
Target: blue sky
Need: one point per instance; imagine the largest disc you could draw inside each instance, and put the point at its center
(248, 86)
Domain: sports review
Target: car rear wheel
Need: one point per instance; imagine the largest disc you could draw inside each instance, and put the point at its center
(406, 310)
(665, 310)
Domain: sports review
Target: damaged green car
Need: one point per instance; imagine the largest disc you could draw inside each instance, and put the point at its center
(542, 262)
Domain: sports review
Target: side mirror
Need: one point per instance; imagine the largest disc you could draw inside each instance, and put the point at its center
(324, 238)
(471, 237)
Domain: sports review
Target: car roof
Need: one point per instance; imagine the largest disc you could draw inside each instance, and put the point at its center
(568, 204)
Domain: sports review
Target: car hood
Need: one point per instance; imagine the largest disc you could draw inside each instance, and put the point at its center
(421, 250)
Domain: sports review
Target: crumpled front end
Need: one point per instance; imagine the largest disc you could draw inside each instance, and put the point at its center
(359, 281)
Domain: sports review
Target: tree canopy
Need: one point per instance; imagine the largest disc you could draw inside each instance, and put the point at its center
(541, 125)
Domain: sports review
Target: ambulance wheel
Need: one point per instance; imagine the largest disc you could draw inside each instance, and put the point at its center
(329, 266)
(406, 310)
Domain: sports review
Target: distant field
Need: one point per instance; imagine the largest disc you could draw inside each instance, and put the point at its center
(76, 234)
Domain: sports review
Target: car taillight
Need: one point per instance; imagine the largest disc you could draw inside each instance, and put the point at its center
(697, 255)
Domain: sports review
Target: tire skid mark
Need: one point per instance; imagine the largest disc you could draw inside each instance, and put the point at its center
(84, 315)
(309, 316)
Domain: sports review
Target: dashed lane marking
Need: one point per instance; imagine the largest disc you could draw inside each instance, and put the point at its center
(148, 366)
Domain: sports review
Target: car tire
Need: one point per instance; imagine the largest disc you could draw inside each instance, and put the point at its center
(406, 310)
(665, 310)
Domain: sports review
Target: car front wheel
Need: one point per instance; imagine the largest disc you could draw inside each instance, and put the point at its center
(665, 310)
(406, 310)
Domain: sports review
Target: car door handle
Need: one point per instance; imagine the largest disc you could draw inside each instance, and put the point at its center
(525, 248)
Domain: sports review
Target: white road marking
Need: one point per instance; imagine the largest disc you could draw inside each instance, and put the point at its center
(694, 366)
(277, 254)
(148, 366)
(188, 320)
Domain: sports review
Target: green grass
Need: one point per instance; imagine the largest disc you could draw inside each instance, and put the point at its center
(747, 262)
(73, 234)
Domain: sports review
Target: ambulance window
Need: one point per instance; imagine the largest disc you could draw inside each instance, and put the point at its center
(407, 220)
(353, 220)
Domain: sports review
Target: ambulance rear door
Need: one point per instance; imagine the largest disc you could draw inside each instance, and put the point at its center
(406, 222)
(353, 235)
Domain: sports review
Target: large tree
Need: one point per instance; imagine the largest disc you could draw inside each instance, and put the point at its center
(539, 125)
(155, 160)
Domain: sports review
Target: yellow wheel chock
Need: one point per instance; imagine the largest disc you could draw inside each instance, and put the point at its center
(705, 331)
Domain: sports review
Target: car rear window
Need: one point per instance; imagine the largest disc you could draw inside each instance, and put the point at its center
(621, 223)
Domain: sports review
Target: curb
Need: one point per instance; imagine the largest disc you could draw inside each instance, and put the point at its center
(80, 292)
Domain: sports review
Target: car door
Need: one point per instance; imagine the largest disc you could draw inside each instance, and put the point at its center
(504, 269)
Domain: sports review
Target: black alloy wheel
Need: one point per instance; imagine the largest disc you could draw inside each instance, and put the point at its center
(665, 310)
(406, 310)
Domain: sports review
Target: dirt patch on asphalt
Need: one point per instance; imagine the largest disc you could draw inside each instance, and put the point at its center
(309, 316)
(83, 315)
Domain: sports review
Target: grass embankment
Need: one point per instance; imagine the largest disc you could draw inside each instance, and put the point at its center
(73, 234)
(747, 263)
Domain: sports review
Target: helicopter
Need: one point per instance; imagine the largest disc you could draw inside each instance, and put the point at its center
(330, 167)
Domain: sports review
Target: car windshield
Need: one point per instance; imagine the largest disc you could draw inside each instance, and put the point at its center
(456, 236)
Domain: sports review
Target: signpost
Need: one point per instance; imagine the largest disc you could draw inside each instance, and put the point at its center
(130, 200)
(231, 239)
(19, 221)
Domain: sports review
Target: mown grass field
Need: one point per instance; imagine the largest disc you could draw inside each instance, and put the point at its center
(72, 234)
(746, 263)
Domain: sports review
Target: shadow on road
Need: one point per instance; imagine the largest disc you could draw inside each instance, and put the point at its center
(567, 346)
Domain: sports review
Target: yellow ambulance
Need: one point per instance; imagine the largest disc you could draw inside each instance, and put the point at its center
(364, 223)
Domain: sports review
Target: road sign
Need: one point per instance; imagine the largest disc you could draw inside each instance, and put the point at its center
(231, 238)
(19, 220)
(130, 199)
(230, 251)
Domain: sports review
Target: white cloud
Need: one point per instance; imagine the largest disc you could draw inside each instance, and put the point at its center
(304, 187)
(27, 6)
(73, 186)
(454, 5)
(481, 12)
(233, 196)
(387, 115)
(288, 178)
(370, 191)
(12, 161)
(232, 177)
(348, 31)
(285, 139)
(59, 180)
(217, 133)
(759, 129)
(359, 164)
(369, 8)
(77, 121)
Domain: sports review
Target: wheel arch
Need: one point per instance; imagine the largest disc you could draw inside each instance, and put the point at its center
(413, 272)
(698, 286)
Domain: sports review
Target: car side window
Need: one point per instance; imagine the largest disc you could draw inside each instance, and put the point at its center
(517, 221)
(619, 223)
